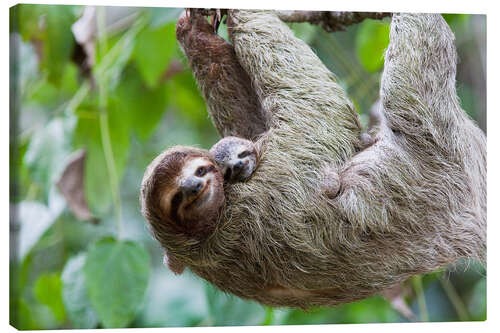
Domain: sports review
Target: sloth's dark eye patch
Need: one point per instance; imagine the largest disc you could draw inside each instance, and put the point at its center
(244, 154)
(174, 205)
(227, 175)
(200, 172)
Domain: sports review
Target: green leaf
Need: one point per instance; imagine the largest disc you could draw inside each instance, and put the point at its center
(371, 41)
(145, 106)
(74, 294)
(47, 148)
(34, 219)
(186, 98)
(117, 274)
(109, 67)
(50, 27)
(453, 19)
(48, 291)
(23, 316)
(28, 20)
(226, 309)
(154, 50)
(173, 300)
(477, 301)
(58, 42)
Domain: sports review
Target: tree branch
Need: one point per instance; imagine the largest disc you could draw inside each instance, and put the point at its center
(330, 21)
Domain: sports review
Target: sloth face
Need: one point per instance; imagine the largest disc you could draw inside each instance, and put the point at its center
(236, 157)
(196, 195)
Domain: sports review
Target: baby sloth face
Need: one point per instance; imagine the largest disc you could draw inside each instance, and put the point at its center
(236, 157)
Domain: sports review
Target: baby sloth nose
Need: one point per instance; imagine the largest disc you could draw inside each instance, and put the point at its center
(192, 186)
(237, 166)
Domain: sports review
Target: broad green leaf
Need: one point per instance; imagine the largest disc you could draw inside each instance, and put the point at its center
(19, 173)
(27, 65)
(371, 41)
(75, 295)
(45, 93)
(48, 291)
(153, 52)
(22, 316)
(34, 219)
(59, 41)
(47, 148)
(226, 309)
(50, 27)
(117, 274)
(453, 19)
(173, 300)
(143, 105)
(186, 98)
(28, 20)
(477, 301)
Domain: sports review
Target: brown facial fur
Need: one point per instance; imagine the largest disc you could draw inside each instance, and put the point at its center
(175, 223)
(412, 202)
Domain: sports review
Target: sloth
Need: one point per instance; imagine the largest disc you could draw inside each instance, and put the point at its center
(327, 216)
(183, 186)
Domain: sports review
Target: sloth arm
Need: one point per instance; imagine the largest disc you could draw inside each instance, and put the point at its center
(294, 86)
(232, 103)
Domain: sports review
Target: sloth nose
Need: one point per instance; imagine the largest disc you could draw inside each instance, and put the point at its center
(237, 166)
(192, 186)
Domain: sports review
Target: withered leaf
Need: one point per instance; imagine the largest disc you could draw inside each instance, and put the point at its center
(71, 186)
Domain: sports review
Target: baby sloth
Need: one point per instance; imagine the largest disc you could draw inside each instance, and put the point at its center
(236, 157)
(182, 192)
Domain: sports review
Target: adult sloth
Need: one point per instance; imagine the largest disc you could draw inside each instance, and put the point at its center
(321, 222)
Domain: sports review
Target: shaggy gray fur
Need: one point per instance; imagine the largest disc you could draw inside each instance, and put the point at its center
(412, 202)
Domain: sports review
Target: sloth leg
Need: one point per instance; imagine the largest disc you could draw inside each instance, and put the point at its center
(418, 83)
(427, 152)
(233, 105)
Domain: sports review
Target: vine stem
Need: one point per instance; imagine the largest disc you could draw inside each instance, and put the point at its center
(104, 125)
(454, 298)
(111, 166)
(419, 291)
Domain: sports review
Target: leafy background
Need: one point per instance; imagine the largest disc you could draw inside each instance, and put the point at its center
(137, 98)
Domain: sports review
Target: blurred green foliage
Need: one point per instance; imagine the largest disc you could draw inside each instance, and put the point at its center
(140, 98)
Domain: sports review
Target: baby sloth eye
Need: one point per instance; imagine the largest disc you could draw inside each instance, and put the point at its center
(244, 154)
(200, 172)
